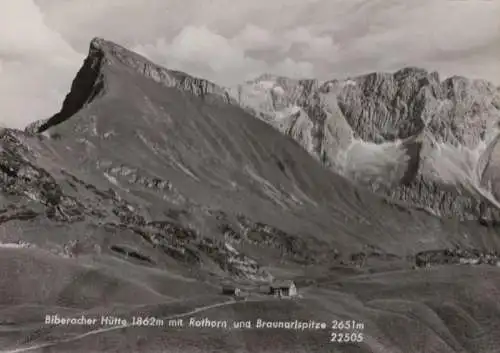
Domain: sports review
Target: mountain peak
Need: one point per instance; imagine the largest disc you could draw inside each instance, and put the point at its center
(98, 43)
(116, 54)
(91, 80)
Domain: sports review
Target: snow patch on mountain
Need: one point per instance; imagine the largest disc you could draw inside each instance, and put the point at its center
(365, 162)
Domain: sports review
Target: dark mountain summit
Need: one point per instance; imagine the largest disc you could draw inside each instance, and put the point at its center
(151, 188)
(90, 80)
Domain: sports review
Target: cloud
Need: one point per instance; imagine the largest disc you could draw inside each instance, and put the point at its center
(35, 63)
(24, 34)
(432, 26)
(200, 51)
(43, 42)
(429, 33)
(257, 38)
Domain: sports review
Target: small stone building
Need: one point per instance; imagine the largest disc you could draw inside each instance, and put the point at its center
(283, 289)
(229, 290)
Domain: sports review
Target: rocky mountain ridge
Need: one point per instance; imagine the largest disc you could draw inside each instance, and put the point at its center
(407, 135)
(105, 53)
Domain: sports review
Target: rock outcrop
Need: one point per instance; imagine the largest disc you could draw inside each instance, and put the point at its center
(456, 257)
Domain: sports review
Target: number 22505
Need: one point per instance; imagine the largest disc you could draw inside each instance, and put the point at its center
(345, 337)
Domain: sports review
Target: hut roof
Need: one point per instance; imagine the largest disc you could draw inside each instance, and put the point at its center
(226, 287)
(282, 284)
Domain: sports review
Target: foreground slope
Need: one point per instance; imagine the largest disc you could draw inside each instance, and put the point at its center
(407, 135)
(150, 188)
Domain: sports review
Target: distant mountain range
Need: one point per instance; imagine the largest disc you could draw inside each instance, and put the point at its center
(408, 135)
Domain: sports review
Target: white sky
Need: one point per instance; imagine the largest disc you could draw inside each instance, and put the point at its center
(43, 42)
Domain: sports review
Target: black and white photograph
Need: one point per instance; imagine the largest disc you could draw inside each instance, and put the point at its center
(235, 176)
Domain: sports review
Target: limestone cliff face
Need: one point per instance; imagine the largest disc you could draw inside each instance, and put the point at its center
(408, 134)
